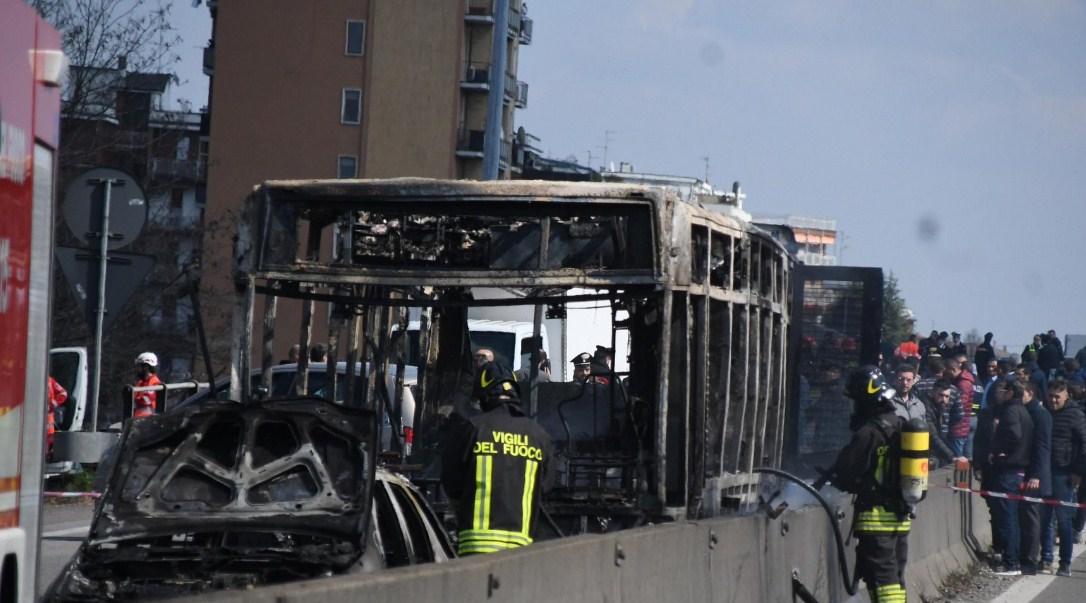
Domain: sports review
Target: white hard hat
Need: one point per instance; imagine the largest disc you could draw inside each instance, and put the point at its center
(147, 358)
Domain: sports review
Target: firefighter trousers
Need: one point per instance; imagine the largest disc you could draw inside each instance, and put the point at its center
(880, 561)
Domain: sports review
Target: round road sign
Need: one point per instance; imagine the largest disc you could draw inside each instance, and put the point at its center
(83, 207)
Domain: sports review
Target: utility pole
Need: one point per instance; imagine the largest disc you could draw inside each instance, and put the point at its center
(100, 310)
(589, 158)
(606, 143)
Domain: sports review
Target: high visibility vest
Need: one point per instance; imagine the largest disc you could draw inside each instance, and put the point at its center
(144, 403)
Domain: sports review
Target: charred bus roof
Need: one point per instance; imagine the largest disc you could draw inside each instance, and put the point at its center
(467, 233)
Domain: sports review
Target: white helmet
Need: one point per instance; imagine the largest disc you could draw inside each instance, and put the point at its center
(147, 358)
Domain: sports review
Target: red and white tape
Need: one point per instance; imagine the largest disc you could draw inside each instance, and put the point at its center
(1052, 502)
(71, 494)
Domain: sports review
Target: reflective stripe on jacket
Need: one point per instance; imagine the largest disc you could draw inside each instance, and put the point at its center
(496, 467)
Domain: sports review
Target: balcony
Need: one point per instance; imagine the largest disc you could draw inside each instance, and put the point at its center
(522, 95)
(507, 153)
(476, 77)
(178, 170)
(469, 143)
(515, 19)
(525, 31)
(516, 91)
(209, 59)
(480, 12)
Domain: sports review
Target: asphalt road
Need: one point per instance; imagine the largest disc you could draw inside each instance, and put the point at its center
(63, 527)
(1050, 589)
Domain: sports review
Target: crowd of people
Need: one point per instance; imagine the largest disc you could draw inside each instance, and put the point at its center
(1020, 421)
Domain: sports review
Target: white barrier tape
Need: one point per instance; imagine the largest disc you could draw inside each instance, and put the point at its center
(71, 494)
(1052, 502)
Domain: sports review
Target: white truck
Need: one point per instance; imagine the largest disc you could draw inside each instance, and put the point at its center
(586, 324)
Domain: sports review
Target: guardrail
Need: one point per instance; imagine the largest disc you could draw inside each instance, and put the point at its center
(748, 558)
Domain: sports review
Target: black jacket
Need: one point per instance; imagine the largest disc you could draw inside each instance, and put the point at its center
(940, 448)
(1040, 456)
(497, 465)
(855, 466)
(982, 437)
(984, 353)
(1049, 358)
(1012, 441)
(1068, 439)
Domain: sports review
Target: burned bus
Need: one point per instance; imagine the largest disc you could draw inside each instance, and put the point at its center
(702, 299)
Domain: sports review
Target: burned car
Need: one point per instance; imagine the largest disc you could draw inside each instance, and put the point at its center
(228, 495)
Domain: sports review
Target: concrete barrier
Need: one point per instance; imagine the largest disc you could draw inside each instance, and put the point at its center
(735, 559)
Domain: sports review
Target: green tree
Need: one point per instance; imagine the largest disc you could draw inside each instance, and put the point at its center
(896, 326)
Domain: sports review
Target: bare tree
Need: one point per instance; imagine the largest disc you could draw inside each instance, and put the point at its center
(103, 39)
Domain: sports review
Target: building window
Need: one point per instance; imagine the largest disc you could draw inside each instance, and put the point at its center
(351, 108)
(348, 167)
(356, 38)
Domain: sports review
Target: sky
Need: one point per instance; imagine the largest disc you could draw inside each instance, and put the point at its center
(947, 139)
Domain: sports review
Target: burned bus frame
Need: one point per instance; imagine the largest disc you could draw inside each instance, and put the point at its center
(706, 299)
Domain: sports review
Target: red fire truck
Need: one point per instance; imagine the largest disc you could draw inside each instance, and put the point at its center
(31, 66)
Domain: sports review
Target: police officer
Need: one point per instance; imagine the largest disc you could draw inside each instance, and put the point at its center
(867, 467)
(496, 467)
(582, 367)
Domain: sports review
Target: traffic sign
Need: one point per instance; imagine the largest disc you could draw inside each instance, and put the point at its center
(126, 274)
(83, 207)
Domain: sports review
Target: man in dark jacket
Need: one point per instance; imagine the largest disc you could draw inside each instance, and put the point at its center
(982, 458)
(1009, 458)
(984, 352)
(1038, 478)
(862, 468)
(1050, 356)
(1034, 372)
(940, 414)
(1068, 445)
(496, 468)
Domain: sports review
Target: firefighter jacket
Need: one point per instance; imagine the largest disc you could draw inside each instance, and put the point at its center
(145, 402)
(57, 397)
(496, 466)
(868, 468)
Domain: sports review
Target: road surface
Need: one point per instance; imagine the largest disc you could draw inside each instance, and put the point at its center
(63, 527)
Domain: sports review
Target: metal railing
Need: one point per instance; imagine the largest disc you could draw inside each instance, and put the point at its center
(162, 402)
(178, 169)
(476, 73)
(522, 94)
(525, 37)
(470, 140)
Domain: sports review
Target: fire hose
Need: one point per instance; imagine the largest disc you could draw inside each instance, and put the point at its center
(850, 582)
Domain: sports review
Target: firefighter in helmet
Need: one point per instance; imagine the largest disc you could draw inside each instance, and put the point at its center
(868, 467)
(496, 467)
(145, 403)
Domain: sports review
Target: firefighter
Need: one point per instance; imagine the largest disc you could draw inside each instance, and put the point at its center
(495, 468)
(57, 397)
(145, 403)
(868, 467)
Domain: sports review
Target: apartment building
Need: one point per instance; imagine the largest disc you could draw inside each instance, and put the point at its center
(354, 89)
